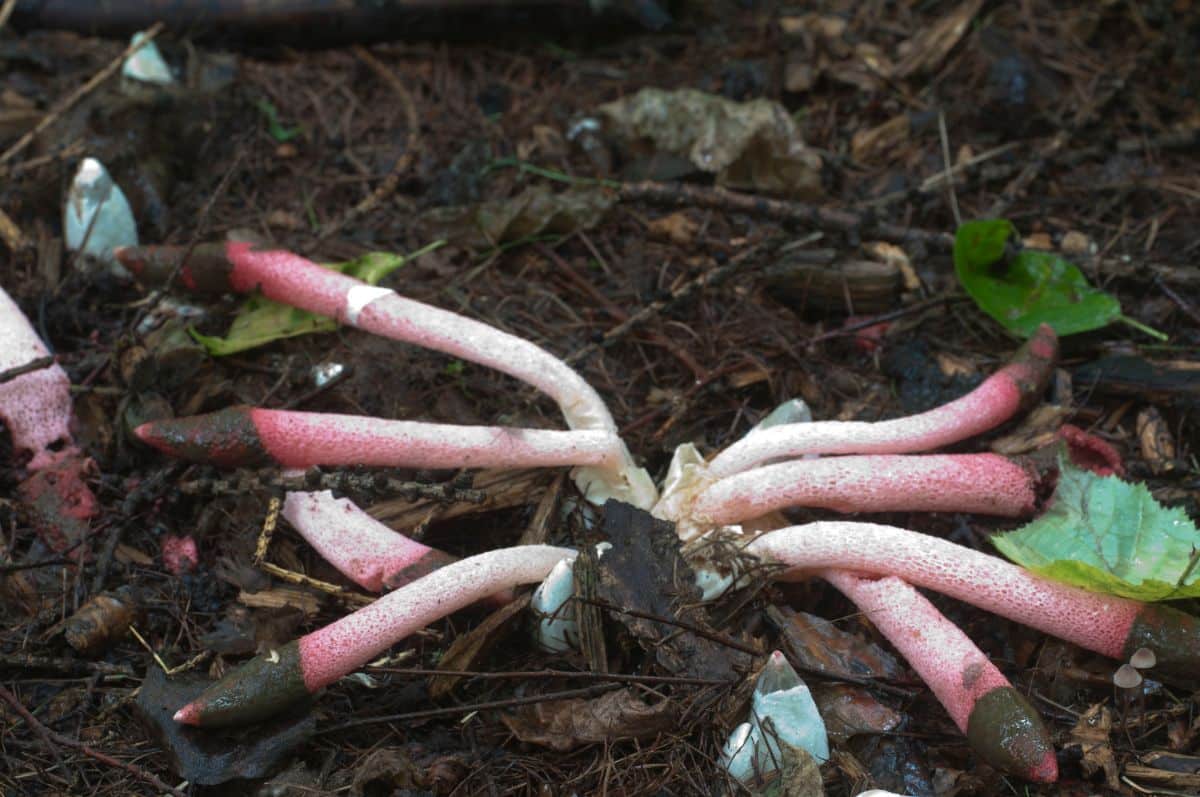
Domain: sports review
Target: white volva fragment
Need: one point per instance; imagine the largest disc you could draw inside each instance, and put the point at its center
(557, 631)
(146, 64)
(358, 297)
(783, 717)
(96, 203)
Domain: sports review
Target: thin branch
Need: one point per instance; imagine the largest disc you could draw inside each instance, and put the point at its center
(27, 368)
(470, 708)
(77, 95)
(52, 738)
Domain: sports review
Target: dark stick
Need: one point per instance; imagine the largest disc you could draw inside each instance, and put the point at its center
(27, 368)
(585, 674)
(588, 691)
(864, 225)
(713, 636)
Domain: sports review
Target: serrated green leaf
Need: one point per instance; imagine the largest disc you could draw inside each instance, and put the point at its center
(1032, 288)
(1108, 535)
(261, 321)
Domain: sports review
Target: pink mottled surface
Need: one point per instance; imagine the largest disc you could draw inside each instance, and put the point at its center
(987, 406)
(983, 483)
(180, 554)
(337, 649)
(58, 502)
(404, 319)
(36, 407)
(1091, 620)
(301, 439)
(1088, 451)
(288, 278)
(294, 280)
(946, 659)
(358, 545)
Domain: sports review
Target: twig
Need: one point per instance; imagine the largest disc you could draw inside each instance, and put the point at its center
(6, 12)
(11, 233)
(863, 224)
(392, 181)
(75, 96)
(342, 481)
(712, 636)
(470, 708)
(892, 315)
(618, 312)
(585, 675)
(706, 280)
(1181, 302)
(65, 666)
(945, 137)
(58, 560)
(27, 368)
(980, 172)
(54, 738)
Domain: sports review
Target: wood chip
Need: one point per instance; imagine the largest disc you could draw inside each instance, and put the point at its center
(282, 598)
(1156, 441)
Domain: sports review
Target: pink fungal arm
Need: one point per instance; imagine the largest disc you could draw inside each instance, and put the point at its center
(999, 722)
(359, 546)
(291, 279)
(35, 406)
(268, 684)
(244, 436)
(987, 406)
(983, 483)
(1107, 624)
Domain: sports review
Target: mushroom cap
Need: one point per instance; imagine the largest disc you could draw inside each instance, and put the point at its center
(1143, 659)
(1127, 677)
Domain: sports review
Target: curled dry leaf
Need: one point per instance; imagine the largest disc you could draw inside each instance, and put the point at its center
(752, 145)
(566, 724)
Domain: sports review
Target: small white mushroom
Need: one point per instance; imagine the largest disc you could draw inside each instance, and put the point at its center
(146, 64)
(1143, 659)
(783, 717)
(557, 631)
(96, 217)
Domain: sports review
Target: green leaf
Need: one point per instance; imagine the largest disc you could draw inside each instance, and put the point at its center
(261, 321)
(1032, 288)
(1107, 535)
(274, 127)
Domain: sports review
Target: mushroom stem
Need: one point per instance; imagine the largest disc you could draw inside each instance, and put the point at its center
(286, 277)
(1109, 625)
(983, 483)
(998, 721)
(364, 550)
(248, 436)
(270, 683)
(996, 400)
(35, 406)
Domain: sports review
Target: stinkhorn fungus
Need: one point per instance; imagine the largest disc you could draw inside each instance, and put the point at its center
(364, 550)
(981, 483)
(996, 718)
(241, 436)
(783, 720)
(1106, 624)
(1015, 385)
(742, 482)
(97, 217)
(271, 682)
(35, 406)
(285, 277)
